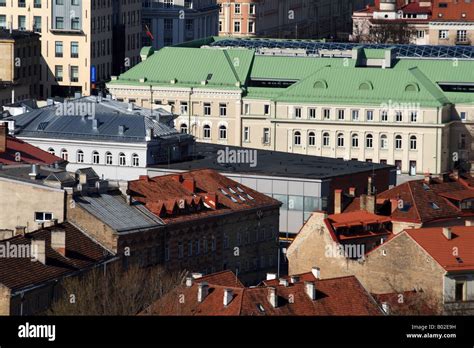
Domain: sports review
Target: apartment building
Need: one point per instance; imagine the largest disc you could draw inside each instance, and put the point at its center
(335, 100)
(172, 22)
(430, 22)
(20, 54)
(297, 295)
(79, 40)
(238, 17)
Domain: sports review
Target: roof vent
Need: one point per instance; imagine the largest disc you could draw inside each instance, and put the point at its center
(203, 291)
(228, 296)
(310, 289)
(272, 297)
(316, 272)
(447, 232)
(121, 130)
(131, 107)
(94, 124)
(284, 282)
(294, 279)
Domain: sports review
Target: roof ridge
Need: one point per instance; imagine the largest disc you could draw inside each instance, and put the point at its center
(414, 201)
(232, 68)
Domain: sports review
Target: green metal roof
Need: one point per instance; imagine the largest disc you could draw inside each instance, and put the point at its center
(318, 80)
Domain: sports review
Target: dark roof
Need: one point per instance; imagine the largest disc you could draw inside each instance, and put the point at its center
(21, 173)
(331, 299)
(17, 34)
(274, 163)
(81, 253)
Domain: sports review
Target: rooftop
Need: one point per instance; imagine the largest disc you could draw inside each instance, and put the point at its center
(273, 163)
(17, 34)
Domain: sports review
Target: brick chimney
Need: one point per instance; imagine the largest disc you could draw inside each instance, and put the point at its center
(272, 297)
(3, 137)
(337, 201)
(58, 241)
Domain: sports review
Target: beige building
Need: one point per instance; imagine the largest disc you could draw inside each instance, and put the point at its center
(20, 54)
(404, 111)
(82, 42)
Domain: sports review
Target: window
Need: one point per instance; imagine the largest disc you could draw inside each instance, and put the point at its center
(355, 140)
(198, 247)
(266, 135)
(122, 159)
(237, 9)
(80, 156)
(312, 113)
(37, 3)
(369, 141)
(460, 291)
(463, 115)
(220, 25)
(223, 109)
(325, 139)
(252, 8)
(355, 115)
(340, 140)
(184, 108)
(443, 34)
(207, 132)
(75, 24)
(43, 216)
(384, 115)
(168, 24)
(64, 154)
(226, 241)
(51, 151)
(370, 115)
(183, 128)
(59, 2)
(108, 158)
(413, 142)
(223, 132)
(297, 139)
(266, 109)
(246, 108)
(74, 49)
(398, 142)
(3, 21)
(383, 142)
(413, 116)
(340, 114)
(207, 109)
(58, 71)
(59, 23)
(398, 116)
(327, 114)
(297, 112)
(188, 3)
(420, 34)
(312, 139)
(251, 27)
(246, 134)
(37, 24)
(135, 160)
(95, 157)
(237, 27)
(461, 36)
(74, 73)
(58, 50)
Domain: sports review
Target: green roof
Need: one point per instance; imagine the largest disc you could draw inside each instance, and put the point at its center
(317, 80)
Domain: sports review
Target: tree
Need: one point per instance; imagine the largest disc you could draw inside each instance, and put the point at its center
(390, 32)
(114, 291)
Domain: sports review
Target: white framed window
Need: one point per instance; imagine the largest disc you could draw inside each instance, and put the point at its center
(384, 115)
(266, 136)
(463, 115)
(340, 114)
(41, 216)
(206, 130)
(251, 8)
(340, 140)
(355, 115)
(398, 142)
(443, 34)
(183, 128)
(370, 115)
(326, 139)
(51, 151)
(135, 160)
(355, 140)
(223, 109)
(236, 27)
(108, 158)
(64, 154)
(297, 138)
(312, 139)
(298, 113)
(413, 142)
(251, 27)
(246, 134)
(461, 36)
(237, 8)
(327, 114)
(383, 142)
(398, 116)
(95, 157)
(369, 141)
(266, 109)
(312, 113)
(122, 159)
(413, 116)
(184, 108)
(223, 132)
(207, 109)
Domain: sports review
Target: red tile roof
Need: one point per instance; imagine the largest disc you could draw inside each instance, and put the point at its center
(441, 249)
(29, 154)
(415, 8)
(331, 299)
(408, 303)
(81, 253)
(356, 218)
(194, 194)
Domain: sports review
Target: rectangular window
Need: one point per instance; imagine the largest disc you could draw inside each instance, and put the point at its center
(75, 2)
(58, 72)
(74, 74)
(462, 115)
(247, 109)
(43, 216)
(184, 108)
(460, 292)
(237, 27)
(312, 113)
(251, 27)
(340, 114)
(327, 114)
(443, 34)
(398, 116)
(37, 24)
(384, 115)
(355, 115)
(207, 109)
(22, 22)
(246, 134)
(3, 21)
(266, 109)
(180, 250)
(251, 8)
(370, 115)
(59, 23)
(222, 109)
(266, 136)
(413, 116)
(74, 49)
(237, 9)
(461, 36)
(75, 24)
(297, 112)
(58, 50)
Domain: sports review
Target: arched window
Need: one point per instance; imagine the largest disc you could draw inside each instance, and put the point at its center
(184, 128)
(64, 154)
(122, 159)
(222, 132)
(398, 142)
(413, 142)
(135, 160)
(297, 138)
(51, 151)
(369, 141)
(207, 132)
(383, 142)
(326, 139)
(95, 157)
(108, 158)
(312, 139)
(340, 140)
(80, 156)
(355, 140)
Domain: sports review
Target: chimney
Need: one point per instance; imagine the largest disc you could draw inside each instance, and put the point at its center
(363, 202)
(228, 296)
(310, 289)
(38, 250)
(20, 230)
(82, 178)
(121, 129)
(456, 174)
(294, 279)
(447, 233)
(190, 184)
(370, 204)
(284, 282)
(427, 178)
(131, 107)
(272, 297)
(370, 187)
(352, 191)
(316, 272)
(386, 307)
(337, 201)
(94, 124)
(469, 222)
(271, 276)
(189, 282)
(58, 241)
(3, 137)
(34, 172)
(211, 200)
(203, 290)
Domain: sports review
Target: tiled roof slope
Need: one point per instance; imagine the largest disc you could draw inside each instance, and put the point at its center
(197, 191)
(29, 154)
(436, 244)
(331, 299)
(81, 253)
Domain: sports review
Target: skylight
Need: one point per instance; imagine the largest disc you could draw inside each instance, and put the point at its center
(250, 197)
(224, 192)
(232, 191)
(242, 198)
(239, 189)
(434, 205)
(233, 199)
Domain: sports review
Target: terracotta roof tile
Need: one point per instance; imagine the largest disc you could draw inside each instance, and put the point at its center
(29, 154)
